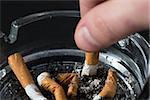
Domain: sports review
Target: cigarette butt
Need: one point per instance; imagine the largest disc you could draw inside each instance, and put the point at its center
(91, 64)
(70, 79)
(73, 86)
(92, 58)
(45, 81)
(65, 78)
(20, 69)
(22, 73)
(110, 87)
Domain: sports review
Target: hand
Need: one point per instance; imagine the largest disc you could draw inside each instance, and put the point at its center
(104, 22)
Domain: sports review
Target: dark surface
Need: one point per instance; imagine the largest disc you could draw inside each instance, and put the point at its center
(145, 94)
(11, 10)
(41, 34)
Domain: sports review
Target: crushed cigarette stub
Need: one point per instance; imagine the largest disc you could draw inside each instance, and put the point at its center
(22, 73)
(110, 87)
(45, 81)
(70, 79)
(89, 70)
(98, 97)
(65, 78)
(73, 86)
(91, 64)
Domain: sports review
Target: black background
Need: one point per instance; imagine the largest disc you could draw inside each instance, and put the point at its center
(57, 33)
(11, 10)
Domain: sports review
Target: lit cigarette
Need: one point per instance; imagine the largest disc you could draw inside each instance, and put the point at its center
(91, 63)
(110, 87)
(45, 81)
(70, 79)
(22, 73)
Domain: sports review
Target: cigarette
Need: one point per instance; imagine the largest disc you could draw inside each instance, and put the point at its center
(91, 63)
(70, 79)
(45, 81)
(110, 87)
(22, 73)
(65, 78)
(73, 86)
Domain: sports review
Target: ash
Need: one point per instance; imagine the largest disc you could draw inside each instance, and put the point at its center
(89, 87)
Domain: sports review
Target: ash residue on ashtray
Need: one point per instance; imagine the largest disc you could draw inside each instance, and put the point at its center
(88, 86)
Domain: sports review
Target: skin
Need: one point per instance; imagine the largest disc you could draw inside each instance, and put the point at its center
(104, 22)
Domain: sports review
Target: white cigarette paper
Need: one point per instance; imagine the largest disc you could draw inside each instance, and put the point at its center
(33, 92)
(97, 97)
(89, 70)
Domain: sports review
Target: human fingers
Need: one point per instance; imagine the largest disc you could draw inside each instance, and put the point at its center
(110, 21)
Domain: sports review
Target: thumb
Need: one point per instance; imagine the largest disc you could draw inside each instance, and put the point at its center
(110, 21)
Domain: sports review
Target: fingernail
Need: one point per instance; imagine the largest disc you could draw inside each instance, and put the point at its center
(84, 30)
(84, 33)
